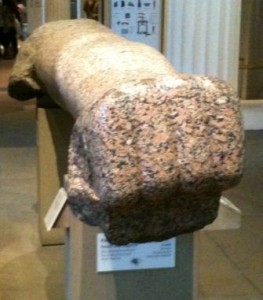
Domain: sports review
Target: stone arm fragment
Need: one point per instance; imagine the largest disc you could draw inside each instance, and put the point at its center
(151, 150)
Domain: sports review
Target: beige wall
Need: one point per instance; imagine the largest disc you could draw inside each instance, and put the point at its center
(41, 11)
(57, 10)
(34, 14)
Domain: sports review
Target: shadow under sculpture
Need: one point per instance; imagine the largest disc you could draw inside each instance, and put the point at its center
(151, 150)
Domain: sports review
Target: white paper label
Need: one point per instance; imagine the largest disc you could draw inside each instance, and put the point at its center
(153, 255)
(55, 208)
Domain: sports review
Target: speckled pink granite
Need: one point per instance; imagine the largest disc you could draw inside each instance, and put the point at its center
(151, 150)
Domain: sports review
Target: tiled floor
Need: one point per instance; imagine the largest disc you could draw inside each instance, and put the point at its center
(229, 263)
(27, 270)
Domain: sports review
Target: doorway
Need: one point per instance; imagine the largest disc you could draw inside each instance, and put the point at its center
(251, 50)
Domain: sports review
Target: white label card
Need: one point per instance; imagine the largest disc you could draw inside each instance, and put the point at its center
(55, 208)
(153, 255)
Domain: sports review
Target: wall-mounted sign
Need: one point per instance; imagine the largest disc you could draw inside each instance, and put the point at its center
(138, 20)
(153, 255)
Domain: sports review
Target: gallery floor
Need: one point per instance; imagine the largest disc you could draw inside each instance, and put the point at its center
(229, 263)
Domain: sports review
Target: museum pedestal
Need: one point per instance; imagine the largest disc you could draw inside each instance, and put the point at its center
(83, 280)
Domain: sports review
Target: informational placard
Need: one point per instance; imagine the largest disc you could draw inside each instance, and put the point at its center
(153, 255)
(138, 20)
(55, 208)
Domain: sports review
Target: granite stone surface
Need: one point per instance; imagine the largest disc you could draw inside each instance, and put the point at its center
(151, 150)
